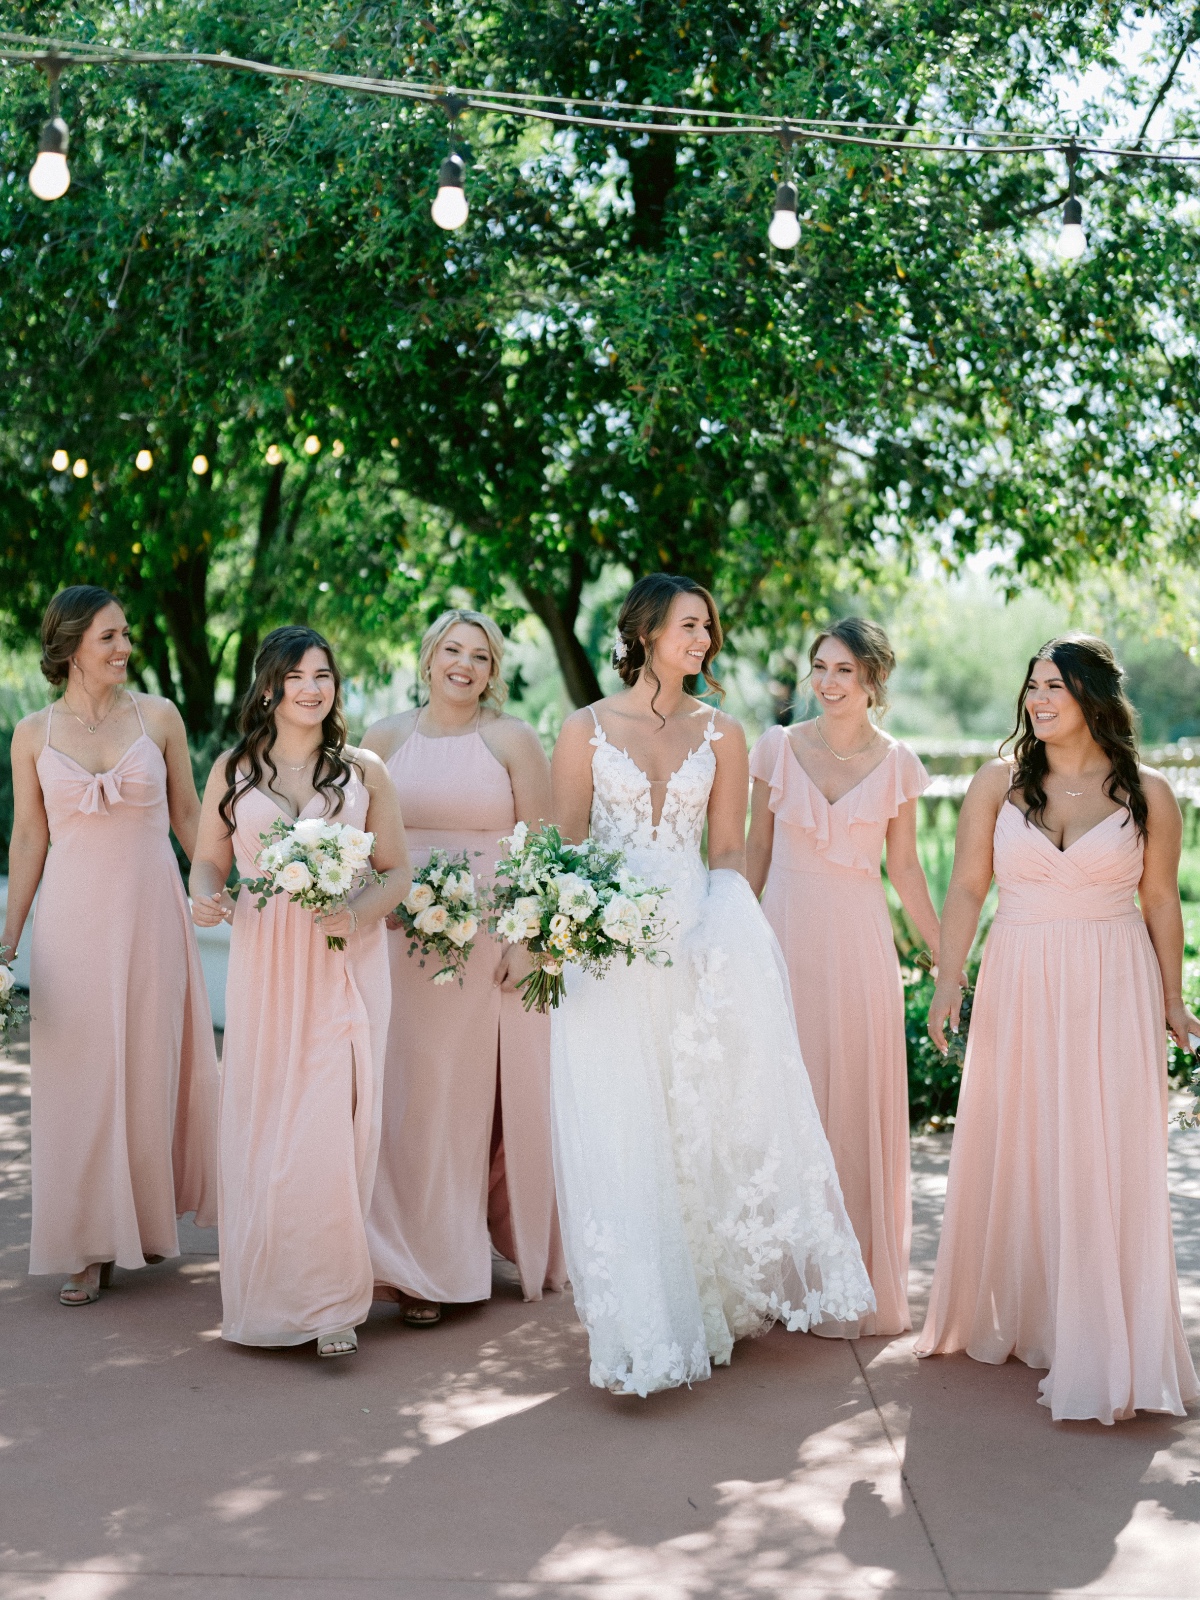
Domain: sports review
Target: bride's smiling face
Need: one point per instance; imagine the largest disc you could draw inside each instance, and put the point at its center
(684, 639)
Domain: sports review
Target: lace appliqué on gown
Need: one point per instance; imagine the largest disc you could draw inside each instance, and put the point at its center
(700, 1202)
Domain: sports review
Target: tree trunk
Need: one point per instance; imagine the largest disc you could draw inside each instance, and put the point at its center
(248, 633)
(558, 616)
(652, 177)
(185, 609)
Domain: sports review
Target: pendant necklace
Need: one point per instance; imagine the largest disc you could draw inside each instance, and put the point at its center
(853, 753)
(90, 726)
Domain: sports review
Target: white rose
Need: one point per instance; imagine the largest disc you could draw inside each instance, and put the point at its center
(460, 886)
(420, 896)
(462, 931)
(621, 920)
(355, 845)
(432, 920)
(310, 831)
(294, 878)
(7, 982)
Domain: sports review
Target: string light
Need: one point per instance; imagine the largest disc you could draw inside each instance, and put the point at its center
(80, 468)
(784, 232)
(1072, 241)
(338, 449)
(311, 445)
(50, 177)
(143, 461)
(274, 455)
(60, 461)
(449, 209)
(199, 465)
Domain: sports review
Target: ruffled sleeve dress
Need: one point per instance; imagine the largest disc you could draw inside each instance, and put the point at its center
(825, 899)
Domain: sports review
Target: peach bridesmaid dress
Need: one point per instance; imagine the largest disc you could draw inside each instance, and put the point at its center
(1056, 1245)
(466, 1104)
(825, 899)
(124, 1113)
(300, 1104)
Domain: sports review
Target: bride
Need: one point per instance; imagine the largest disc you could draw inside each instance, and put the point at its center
(698, 1194)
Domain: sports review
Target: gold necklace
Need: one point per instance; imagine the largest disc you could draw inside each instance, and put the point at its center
(853, 753)
(90, 726)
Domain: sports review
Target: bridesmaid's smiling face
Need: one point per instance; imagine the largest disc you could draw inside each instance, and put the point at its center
(102, 655)
(308, 691)
(1053, 709)
(461, 665)
(837, 681)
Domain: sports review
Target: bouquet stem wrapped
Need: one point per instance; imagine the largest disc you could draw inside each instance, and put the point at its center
(576, 903)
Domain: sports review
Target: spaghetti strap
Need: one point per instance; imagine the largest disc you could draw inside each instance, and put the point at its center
(49, 723)
(138, 709)
(595, 719)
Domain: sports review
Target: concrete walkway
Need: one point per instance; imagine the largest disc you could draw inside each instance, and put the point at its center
(142, 1458)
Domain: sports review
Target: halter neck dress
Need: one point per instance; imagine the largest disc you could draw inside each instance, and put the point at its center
(300, 1104)
(465, 1158)
(1056, 1245)
(824, 897)
(124, 1071)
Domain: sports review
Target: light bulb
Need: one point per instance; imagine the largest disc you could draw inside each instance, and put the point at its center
(311, 445)
(339, 449)
(784, 232)
(274, 455)
(143, 461)
(199, 465)
(60, 461)
(1072, 241)
(449, 209)
(50, 177)
(80, 468)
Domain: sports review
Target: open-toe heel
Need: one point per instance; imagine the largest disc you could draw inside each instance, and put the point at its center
(86, 1293)
(421, 1314)
(342, 1342)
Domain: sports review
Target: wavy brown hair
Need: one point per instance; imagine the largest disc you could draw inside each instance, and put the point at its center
(67, 618)
(644, 616)
(1089, 669)
(281, 651)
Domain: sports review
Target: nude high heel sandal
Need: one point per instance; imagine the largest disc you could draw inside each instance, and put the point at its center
(327, 1344)
(90, 1292)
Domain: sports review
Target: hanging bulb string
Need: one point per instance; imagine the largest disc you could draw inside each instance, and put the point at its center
(918, 140)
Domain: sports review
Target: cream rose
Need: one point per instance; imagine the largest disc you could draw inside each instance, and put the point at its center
(294, 878)
(432, 920)
(421, 896)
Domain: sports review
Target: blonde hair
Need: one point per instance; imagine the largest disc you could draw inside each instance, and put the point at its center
(870, 647)
(497, 690)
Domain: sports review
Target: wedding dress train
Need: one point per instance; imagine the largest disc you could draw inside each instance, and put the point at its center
(699, 1198)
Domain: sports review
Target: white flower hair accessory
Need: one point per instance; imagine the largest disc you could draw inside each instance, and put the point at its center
(620, 648)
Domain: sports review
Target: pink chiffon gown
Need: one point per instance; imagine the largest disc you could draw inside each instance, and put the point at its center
(124, 1072)
(300, 1105)
(465, 1160)
(825, 899)
(1056, 1245)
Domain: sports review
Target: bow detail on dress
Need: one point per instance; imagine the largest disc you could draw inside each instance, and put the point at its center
(103, 791)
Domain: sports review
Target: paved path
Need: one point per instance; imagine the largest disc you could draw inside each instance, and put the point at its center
(142, 1458)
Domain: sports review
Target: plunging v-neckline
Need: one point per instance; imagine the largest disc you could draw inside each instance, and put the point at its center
(666, 783)
(1063, 850)
(866, 778)
(271, 800)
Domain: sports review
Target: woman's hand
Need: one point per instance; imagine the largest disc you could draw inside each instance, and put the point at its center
(516, 963)
(339, 924)
(210, 909)
(1181, 1022)
(945, 1005)
(392, 922)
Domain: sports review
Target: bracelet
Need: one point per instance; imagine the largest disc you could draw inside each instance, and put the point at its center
(353, 919)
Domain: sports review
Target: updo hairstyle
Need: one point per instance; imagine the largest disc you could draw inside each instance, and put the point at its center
(496, 692)
(644, 616)
(871, 648)
(68, 617)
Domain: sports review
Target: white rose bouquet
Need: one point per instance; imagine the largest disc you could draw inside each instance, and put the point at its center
(316, 863)
(569, 902)
(441, 914)
(13, 1010)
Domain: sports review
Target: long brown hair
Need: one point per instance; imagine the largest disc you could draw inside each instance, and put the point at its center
(67, 618)
(281, 651)
(1090, 671)
(644, 616)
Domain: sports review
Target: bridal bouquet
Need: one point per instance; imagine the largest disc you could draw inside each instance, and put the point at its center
(13, 1010)
(441, 913)
(568, 902)
(317, 864)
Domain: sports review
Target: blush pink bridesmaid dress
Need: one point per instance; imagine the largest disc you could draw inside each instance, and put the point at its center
(825, 899)
(1056, 1245)
(124, 1071)
(300, 1105)
(465, 1160)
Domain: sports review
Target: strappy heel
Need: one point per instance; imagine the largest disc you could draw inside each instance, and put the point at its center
(421, 1313)
(89, 1291)
(327, 1343)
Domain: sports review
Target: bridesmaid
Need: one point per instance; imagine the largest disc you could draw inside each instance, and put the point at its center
(124, 1070)
(305, 1025)
(828, 795)
(1056, 1245)
(466, 1106)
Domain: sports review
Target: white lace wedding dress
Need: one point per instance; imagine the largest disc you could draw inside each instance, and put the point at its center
(697, 1191)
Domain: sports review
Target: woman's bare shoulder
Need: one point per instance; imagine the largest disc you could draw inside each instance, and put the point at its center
(30, 732)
